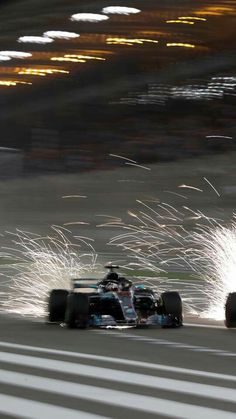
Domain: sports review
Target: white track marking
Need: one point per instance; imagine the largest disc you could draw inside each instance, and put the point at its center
(228, 354)
(205, 326)
(114, 397)
(168, 343)
(161, 383)
(28, 409)
(120, 361)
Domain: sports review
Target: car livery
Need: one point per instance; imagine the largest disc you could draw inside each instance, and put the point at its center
(114, 301)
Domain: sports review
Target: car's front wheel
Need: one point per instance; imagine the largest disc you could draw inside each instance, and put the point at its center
(77, 311)
(57, 305)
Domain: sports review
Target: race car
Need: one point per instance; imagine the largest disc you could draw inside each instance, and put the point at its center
(113, 301)
(230, 310)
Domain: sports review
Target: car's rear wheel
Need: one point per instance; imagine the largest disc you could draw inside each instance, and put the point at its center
(230, 310)
(77, 311)
(172, 306)
(57, 305)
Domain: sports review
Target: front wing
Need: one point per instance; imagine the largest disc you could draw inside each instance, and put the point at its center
(107, 321)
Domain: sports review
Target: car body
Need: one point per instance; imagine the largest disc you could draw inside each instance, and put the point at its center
(112, 302)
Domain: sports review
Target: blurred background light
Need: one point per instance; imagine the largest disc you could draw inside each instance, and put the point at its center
(67, 59)
(35, 39)
(82, 114)
(216, 10)
(120, 10)
(4, 58)
(9, 83)
(192, 18)
(84, 57)
(128, 41)
(15, 54)
(88, 17)
(186, 22)
(61, 35)
(123, 41)
(214, 88)
(179, 44)
(41, 71)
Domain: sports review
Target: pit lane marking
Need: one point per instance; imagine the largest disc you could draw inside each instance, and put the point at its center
(144, 403)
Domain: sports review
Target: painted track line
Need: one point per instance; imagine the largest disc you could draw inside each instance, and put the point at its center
(167, 343)
(119, 361)
(139, 402)
(205, 326)
(29, 409)
(124, 377)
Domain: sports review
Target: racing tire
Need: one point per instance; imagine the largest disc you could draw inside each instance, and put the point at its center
(230, 310)
(172, 305)
(77, 311)
(57, 305)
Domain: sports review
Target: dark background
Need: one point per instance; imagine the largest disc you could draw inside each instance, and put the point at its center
(147, 102)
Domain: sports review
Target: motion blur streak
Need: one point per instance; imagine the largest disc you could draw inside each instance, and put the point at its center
(129, 41)
(179, 44)
(61, 35)
(35, 39)
(9, 83)
(85, 57)
(67, 59)
(4, 58)
(192, 18)
(16, 54)
(88, 17)
(216, 11)
(41, 71)
(180, 21)
(120, 10)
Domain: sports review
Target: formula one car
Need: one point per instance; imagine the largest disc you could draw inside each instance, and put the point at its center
(230, 310)
(113, 301)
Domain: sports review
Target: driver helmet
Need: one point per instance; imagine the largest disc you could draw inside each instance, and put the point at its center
(112, 276)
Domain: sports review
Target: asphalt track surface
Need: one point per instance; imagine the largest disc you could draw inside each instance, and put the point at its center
(49, 371)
